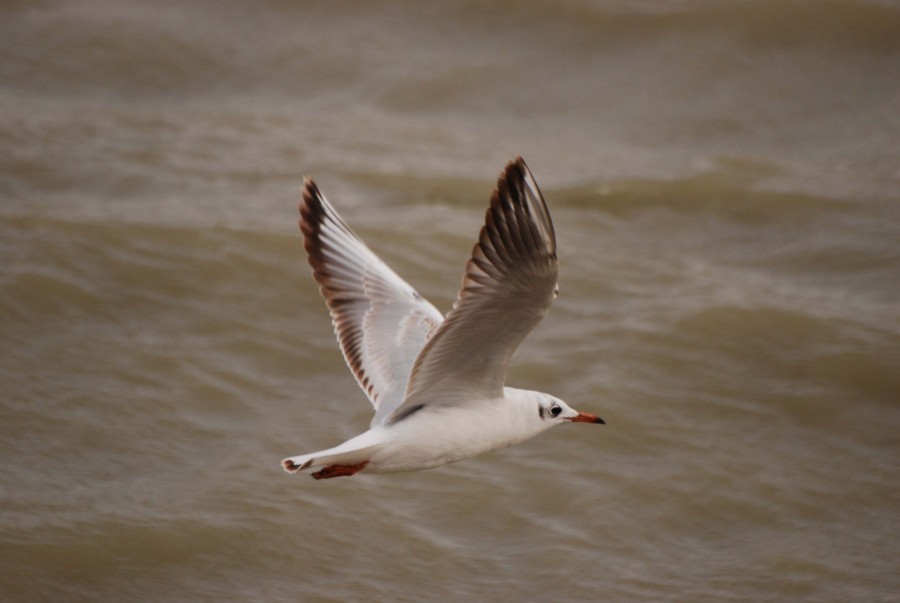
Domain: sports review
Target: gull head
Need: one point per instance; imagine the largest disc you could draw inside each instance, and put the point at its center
(554, 410)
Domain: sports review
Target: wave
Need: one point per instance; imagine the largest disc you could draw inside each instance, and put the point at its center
(200, 49)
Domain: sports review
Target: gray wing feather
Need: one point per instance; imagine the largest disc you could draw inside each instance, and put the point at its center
(509, 284)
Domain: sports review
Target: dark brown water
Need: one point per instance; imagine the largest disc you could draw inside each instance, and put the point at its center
(724, 181)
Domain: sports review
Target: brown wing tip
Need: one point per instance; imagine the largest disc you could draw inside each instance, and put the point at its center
(514, 168)
(517, 224)
(517, 177)
(310, 200)
(312, 215)
(308, 191)
(512, 171)
(312, 211)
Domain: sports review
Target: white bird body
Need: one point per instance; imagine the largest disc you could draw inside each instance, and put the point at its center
(431, 439)
(437, 384)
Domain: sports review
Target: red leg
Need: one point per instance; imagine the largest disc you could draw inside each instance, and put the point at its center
(339, 470)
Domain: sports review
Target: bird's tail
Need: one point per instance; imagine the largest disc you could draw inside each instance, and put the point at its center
(341, 456)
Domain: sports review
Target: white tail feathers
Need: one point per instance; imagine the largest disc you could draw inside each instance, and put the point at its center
(343, 456)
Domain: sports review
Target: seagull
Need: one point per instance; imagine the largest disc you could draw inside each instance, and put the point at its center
(438, 384)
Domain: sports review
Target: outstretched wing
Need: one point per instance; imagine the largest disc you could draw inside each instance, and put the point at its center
(380, 321)
(509, 284)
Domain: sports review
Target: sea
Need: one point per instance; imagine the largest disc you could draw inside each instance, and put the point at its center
(724, 178)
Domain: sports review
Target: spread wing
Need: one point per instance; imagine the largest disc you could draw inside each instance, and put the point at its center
(380, 321)
(509, 284)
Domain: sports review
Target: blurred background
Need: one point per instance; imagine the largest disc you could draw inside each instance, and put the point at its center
(723, 175)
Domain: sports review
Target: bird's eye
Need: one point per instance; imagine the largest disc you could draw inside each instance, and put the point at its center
(555, 410)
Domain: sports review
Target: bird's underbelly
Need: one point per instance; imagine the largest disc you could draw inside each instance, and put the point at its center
(407, 456)
(437, 439)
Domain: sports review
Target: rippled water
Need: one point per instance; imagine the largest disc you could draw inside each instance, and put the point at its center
(723, 177)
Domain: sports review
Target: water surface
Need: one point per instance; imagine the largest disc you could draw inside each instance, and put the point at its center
(723, 177)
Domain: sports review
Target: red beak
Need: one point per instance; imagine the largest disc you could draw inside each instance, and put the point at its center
(584, 417)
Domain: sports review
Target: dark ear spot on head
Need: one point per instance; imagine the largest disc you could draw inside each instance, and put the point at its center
(541, 411)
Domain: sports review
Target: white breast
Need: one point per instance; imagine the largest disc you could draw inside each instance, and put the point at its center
(439, 435)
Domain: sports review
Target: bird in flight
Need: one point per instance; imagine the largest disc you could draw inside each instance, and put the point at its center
(438, 383)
